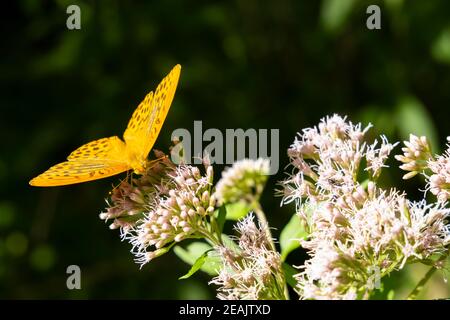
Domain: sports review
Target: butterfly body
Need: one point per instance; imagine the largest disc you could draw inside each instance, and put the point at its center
(138, 165)
(110, 156)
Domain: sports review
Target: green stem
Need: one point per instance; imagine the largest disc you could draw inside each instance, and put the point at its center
(421, 284)
(215, 230)
(262, 218)
(209, 236)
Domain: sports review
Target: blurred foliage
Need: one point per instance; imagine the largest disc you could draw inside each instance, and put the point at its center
(257, 64)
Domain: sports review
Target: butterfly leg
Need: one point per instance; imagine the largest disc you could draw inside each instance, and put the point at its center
(151, 163)
(121, 181)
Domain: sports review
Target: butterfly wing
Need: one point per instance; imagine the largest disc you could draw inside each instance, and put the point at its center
(95, 160)
(111, 148)
(71, 172)
(109, 156)
(145, 124)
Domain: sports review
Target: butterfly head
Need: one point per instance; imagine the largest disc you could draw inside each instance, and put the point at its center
(143, 166)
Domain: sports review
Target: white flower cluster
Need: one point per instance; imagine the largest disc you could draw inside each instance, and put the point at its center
(327, 160)
(349, 242)
(417, 158)
(130, 200)
(416, 154)
(180, 213)
(439, 181)
(356, 227)
(252, 271)
(244, 181)
(172, 203)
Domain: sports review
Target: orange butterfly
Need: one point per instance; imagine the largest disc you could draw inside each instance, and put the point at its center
(110, 156)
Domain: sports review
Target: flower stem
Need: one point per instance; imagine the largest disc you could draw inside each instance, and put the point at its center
(421, 284)
(262, 218)
(210, 236)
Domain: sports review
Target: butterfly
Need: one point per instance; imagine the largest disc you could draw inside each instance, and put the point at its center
(110, 156)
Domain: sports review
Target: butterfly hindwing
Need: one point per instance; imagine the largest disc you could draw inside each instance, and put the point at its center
(94, 160)
(70, 172)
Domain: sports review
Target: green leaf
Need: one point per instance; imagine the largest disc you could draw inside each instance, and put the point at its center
(291, 234)
(379, 116)
(334, 14)
(229, 243)
(193, 251)
(196, 266)
(7, 213)
(289, 273)
(221, 215)
(412, 117)
(441, 47)
(237, 210)
(390, 295)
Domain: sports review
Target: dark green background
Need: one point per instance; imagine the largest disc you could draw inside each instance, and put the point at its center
(246, 64)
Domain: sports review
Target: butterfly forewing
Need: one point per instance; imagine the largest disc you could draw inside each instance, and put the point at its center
(111, 148)
(147, 120)
(137, 126)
